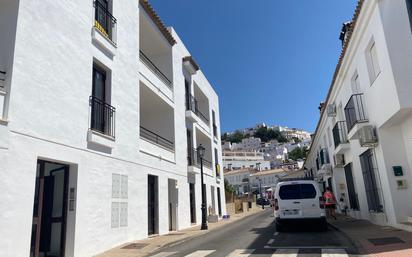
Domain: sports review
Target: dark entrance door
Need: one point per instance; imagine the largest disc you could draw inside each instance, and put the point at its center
(49, 210)
(152, 205)
(192, 203)
(219, 205)
(353, 198)
(371, 188)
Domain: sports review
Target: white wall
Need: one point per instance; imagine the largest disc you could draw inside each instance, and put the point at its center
(49, 119)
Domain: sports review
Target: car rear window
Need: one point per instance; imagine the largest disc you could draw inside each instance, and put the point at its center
(297, 191)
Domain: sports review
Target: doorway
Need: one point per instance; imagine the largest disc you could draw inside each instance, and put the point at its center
(353, 198)
(369, 179)
(173, 203)
(219, 202)
(153, 209)
(213, 210)
(49, 223)
(192, 203)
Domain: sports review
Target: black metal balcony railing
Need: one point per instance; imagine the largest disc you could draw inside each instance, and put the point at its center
(155, 70)
(157, 139)
(2, 78)
(194, 159)
(340, 133)
(324, 156)
(354, 111)
(102, 116)
(192, 105)
(104, 20)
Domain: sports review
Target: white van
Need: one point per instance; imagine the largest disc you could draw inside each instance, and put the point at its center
(299, 200)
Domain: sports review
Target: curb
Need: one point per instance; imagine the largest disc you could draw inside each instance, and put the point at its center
(357, 246)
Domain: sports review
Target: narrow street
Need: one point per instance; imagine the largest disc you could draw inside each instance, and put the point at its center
(256, 236)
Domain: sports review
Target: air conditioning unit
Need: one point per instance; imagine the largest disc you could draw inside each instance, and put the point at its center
(367, 136)
(331, 110)
(339, 160)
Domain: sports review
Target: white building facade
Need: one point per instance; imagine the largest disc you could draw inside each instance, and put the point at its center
(363, 143)
(101, 107)
(233, 160)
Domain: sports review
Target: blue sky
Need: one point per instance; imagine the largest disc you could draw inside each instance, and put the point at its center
(269, 60)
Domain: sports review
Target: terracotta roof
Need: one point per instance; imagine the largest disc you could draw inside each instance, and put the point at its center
(267, 172)
(341, 57)
(192, 62)
(156, 19)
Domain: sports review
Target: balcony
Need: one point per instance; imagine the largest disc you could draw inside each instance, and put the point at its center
(355, 114)
(192, 107)
(156, 58)
(2, 80)
(102, 123)
(3, 94)
(340, 137)
(102, 117)
(156, 139)
(324, 156)
(153, 68)
(193, 159)
(157, 129)
(105, 27)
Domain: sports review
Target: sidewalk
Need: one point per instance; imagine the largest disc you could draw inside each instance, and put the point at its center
(146, 246)
(373, 240)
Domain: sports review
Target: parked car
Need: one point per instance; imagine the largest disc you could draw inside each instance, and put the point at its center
(299, 200)
(262, 201)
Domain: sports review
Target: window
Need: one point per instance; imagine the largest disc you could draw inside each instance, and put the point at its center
(297, 191)
(214, 124)
(119, 200)
(372, 62)
(102, 113)
(217, 166)
(355, 85)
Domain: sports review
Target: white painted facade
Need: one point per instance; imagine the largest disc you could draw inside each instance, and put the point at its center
(48, 56)
(233, 160)
(376, 64)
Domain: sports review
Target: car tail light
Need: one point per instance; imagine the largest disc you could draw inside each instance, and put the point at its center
(276, 204)
(321, 202)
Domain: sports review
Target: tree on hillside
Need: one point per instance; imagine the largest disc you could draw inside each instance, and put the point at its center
(266, 135)
(298, 153)
(236, 137)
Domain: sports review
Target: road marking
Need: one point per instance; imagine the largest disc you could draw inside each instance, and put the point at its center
(271, 241)
(334, 253)
(201, 253)
(163, 254)
(286, 253)
(240, 253)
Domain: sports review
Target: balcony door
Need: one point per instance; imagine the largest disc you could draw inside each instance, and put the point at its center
(101, 14)
(98, 115)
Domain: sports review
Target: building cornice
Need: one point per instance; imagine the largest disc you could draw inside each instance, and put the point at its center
(156, 20)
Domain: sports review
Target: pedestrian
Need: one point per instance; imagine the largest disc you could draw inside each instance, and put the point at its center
(342, 205)
(330, 203)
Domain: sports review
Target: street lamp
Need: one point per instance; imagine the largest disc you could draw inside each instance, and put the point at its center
(201, 151)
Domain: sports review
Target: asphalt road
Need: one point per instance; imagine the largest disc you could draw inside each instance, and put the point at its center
(256, 236)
